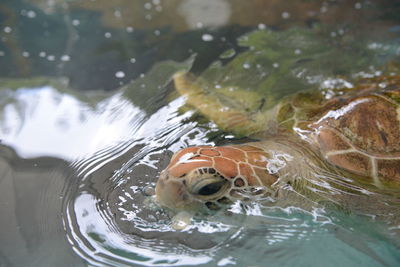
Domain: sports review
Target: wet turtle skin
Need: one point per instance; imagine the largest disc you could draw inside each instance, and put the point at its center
(348, 131)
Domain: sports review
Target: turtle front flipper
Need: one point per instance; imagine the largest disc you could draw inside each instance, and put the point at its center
(232, 109)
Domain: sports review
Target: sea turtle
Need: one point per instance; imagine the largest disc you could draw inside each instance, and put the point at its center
(307, 139)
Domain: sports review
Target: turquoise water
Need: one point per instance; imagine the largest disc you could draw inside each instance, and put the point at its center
(89, 118)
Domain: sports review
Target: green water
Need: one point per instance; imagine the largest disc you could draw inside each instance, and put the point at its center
(89, 117)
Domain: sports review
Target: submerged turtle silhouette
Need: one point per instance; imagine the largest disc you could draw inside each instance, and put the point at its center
(349, 132)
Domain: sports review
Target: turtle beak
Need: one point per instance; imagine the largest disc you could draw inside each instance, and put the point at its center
(172, 193)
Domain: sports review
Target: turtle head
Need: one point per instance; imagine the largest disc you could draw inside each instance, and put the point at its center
(190, 181)
(206, 176)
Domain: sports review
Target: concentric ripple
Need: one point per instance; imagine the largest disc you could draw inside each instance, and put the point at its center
(111, 220)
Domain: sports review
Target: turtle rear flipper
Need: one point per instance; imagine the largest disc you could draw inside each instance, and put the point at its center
(232, 109)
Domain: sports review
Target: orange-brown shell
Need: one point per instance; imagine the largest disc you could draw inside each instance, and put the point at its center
(362, 133)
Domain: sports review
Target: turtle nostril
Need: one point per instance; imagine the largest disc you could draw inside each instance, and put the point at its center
(164, 175)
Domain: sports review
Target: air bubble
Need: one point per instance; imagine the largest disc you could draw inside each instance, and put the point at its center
(149, 190)
(262, 26)
(285, 15)
(181, 220)
(117, 14)
(65, 58)
(120, 74)
(207, 37)
(31, 14)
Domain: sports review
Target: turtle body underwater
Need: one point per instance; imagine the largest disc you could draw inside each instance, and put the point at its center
(305, 140)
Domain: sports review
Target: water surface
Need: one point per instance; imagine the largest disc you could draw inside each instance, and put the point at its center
(89, 118)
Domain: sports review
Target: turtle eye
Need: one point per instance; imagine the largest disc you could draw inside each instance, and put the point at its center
(211, 188)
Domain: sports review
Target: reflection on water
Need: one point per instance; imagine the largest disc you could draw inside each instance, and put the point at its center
(30, 197)
(77, 166)
(54, 120)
